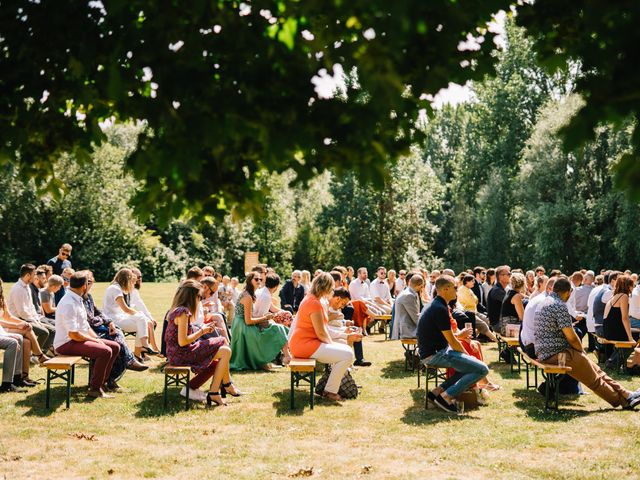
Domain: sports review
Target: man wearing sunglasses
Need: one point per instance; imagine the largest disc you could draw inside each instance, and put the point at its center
(61, 261)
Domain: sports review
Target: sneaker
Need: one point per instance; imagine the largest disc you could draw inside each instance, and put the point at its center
(20, 381)
(431, 397)
(195, 395)
(10, 387)
(444, 405)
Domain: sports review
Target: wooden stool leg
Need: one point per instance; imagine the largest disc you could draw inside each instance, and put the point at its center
(68, 377)
(312, 387)
(47, 395)
(292, 400)
(165, 390)
(187, 388)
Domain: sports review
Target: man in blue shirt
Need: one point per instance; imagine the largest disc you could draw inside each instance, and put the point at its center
(61, 261)
(439, 347)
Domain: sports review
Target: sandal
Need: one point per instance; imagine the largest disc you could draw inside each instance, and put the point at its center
(332, 396)
(224, 391)
(42, 358)
(492, 387)
(211, 400)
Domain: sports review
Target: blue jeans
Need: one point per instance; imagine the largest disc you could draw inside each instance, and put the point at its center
(635, 323)
(468, 370)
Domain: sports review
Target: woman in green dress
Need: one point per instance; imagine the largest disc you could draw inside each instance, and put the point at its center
(255, 341)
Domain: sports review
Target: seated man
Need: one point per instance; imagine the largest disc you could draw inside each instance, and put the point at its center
(292, 292)
(12, 344)
(66, 275)
(554, 334)
(212, 307)
(74, 336)
(527, 335)
(47, 296)
(407, 309)
(340, 321)
(379, 290)
(440, 347)
(20, 305)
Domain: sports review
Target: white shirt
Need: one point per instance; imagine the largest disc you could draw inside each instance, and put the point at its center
(634, 303)
(359, 289)
(527, 330)
(199, 321)
(380, 288)
(71, 316)
(608, 295)
(19, 302)
(400, 285)
(263, 302)
(109, 306)
(138, 304)
(591, 324)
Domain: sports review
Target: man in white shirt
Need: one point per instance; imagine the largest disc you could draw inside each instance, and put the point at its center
(74, 336)
(341, 328)
(359, 288)
(634, 307)
(20, 305)
(379, 290)
(401, 282)
(527, 336)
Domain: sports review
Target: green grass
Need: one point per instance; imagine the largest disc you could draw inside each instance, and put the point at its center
(257, 436)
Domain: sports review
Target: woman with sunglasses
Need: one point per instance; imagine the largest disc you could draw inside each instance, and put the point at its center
(255, 341)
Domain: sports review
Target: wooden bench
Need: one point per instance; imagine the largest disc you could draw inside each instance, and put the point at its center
(622, 349)
(61, 367)
(551, 373)
(410, 346)
(176, 376)
(385, 320)
(303, 369)
(509, 344)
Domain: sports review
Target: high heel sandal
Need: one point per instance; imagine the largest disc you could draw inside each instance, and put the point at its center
(149, 351)
(211, 400)
(223, 390)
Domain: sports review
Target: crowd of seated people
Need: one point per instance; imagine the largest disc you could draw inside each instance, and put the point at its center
(214, 327)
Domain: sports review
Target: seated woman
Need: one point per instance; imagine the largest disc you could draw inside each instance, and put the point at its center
(212, 307)
(125, 317)
(468, 301)
(105, 328)
(255, 341)
(23, 333)
(617, 325)
(311, 337)
(512, 311)
(207, 357)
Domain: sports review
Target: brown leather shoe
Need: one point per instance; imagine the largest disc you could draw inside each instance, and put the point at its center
(136, 366)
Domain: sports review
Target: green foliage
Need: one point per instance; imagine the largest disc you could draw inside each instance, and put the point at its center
(226, 88)
(603, 37)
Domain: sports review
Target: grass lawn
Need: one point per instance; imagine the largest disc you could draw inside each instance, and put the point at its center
(385, 433)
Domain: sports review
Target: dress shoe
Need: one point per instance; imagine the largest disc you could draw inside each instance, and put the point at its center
(362, 363)
(136, 366)
(10, 387)
(20, 381)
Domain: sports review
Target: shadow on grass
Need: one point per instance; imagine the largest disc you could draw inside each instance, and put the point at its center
(504, 370)
(417, 415)
(282, 404)
(533, 404)
(58, 398)
(395, 369)
(152, 405)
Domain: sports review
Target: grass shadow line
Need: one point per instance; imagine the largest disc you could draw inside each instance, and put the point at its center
(395, 369)
(533, 404)
(36, 401)
(416, 415)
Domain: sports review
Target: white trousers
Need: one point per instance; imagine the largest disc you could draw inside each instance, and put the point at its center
(137, 323)
(340, 357)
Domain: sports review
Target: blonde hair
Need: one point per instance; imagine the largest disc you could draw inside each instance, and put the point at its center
(517, 281)
(322, 285)
(123, 278)
(305, 278)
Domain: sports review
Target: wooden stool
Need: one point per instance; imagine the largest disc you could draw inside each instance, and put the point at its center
(410, 346)
(385, 320)
(61, 367)
(178, 377)
(552, 375)
(622, 349)
(303, 369)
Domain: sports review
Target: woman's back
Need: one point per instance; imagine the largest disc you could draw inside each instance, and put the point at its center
(612, 325)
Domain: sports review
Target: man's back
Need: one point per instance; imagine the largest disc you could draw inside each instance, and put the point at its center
(407, 311)
(550, 318)
(434, 320)
(494, 303)
(598, 306)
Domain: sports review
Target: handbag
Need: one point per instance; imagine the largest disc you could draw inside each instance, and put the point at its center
(348, 388)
